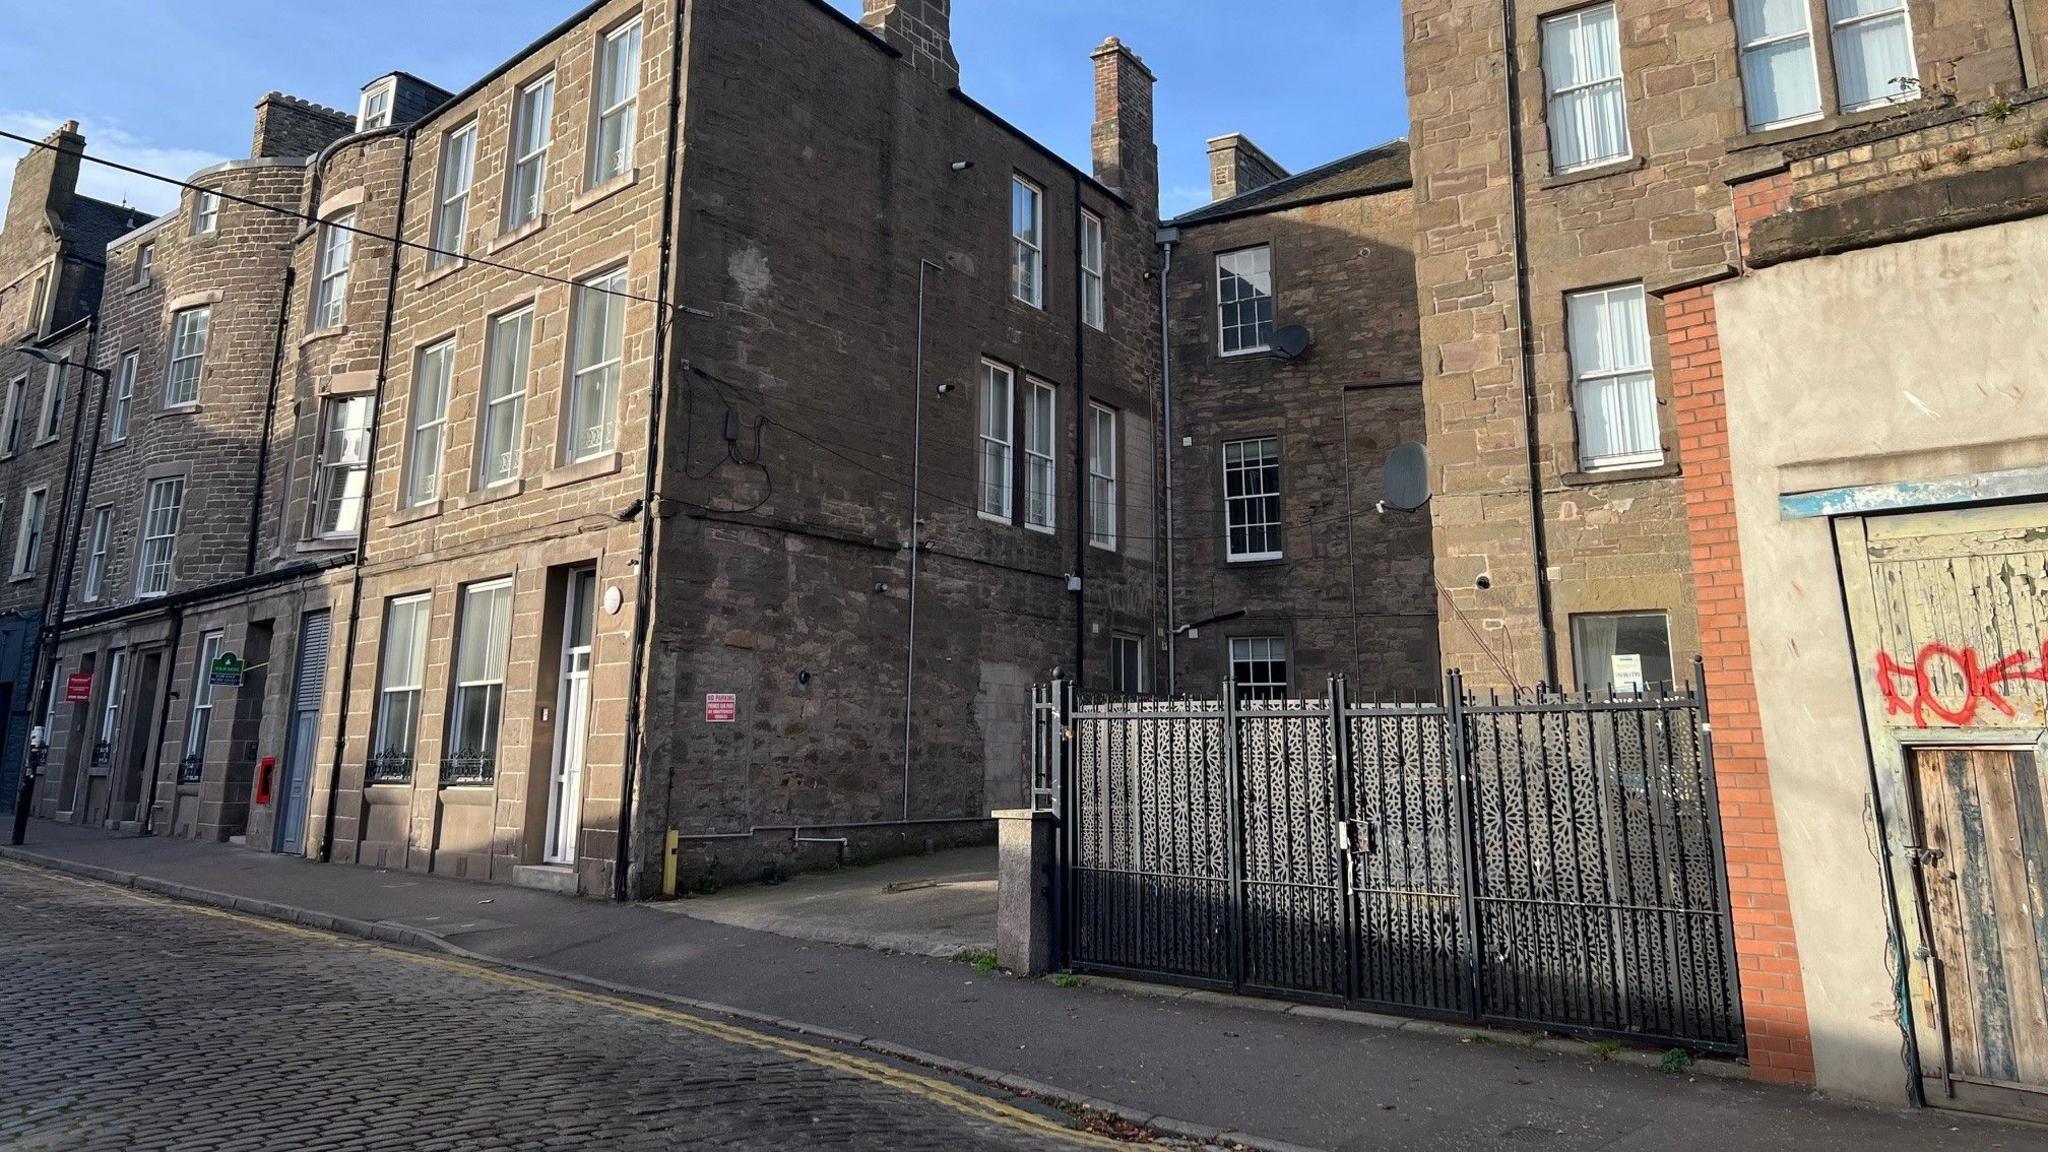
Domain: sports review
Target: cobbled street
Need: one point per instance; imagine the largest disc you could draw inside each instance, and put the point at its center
(130, 1022)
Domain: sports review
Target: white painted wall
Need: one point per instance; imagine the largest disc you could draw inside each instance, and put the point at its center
(1915, 361)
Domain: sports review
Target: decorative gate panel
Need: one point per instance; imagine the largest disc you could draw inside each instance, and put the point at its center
(1546, 859)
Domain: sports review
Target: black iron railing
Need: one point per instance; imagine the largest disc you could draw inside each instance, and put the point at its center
(467, 769)
(388, 768)
(1543, 859)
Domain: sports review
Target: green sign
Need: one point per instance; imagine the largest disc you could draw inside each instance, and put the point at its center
(227, 671)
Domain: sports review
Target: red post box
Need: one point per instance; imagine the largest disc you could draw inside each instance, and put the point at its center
(264, 768)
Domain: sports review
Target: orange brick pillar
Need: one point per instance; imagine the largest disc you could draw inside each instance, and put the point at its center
(1766, 951)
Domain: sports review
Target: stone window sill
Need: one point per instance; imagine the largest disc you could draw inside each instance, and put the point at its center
(1620, 475)
(1587, 175)
(140, 286)
(1246, 565)
(508, 239)
(21, 577)
(317, 547)
(435, 275)
(591, 469)
(44, 441)
(1824, 125)
(415, 514)
(180, 410)
(492, 495)
(322, 334)
(605, 191)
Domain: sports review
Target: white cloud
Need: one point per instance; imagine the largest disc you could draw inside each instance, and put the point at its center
(111, 142)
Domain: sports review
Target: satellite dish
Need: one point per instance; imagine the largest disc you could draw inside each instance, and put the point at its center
(1290, 342)
(1407, 477)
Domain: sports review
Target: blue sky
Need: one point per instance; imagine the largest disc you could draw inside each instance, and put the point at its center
(170, 85)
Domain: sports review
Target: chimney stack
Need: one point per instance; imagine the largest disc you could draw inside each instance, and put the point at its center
(920, 29)
(1238, 166)
(1126, 157)
(46, 181)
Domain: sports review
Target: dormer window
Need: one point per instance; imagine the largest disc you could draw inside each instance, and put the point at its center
(376, 109)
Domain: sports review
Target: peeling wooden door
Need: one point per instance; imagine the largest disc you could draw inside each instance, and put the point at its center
(1981, 867)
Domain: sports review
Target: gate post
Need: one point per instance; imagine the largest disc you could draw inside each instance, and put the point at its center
(1233, 784)
(1456, 722)
(1340, 749)
(1026, 880)
(1064, 826)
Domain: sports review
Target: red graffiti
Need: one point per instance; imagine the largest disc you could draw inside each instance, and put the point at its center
(1981, 683)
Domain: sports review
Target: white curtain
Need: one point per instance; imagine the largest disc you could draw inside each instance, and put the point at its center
(1582, 70)
(1873, 52)
(1779, 82)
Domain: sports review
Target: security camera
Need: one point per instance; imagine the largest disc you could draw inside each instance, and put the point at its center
(962, 165)
(1483, 582)
(945, 388)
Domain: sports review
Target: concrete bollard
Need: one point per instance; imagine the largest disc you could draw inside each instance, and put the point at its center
(1024, 890)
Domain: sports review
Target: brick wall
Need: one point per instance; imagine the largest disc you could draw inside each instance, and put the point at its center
(1767, 951)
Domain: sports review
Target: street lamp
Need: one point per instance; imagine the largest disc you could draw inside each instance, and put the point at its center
(39, 702)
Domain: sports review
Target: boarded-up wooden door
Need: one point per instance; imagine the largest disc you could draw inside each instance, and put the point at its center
(1982, 870)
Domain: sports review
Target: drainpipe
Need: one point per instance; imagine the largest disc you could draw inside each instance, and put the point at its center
(1167, 238)
(643, 597)
(355, 594)
(1081, 477)
(284, 311)
(916, 526)
(163, 719)
(1539, 544)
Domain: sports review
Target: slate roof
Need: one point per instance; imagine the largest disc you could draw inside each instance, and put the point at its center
(1377, 169)
(94, 224)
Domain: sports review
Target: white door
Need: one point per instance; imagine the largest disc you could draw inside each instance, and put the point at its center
(565, 790)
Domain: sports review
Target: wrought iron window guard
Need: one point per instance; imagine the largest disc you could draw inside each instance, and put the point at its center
(388, 768)
(191, 769)
(468, 768)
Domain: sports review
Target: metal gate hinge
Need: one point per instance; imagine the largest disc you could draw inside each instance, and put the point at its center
(1920, 855)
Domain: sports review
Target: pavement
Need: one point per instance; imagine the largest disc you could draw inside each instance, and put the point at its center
(1206, 1063)
(941, 905)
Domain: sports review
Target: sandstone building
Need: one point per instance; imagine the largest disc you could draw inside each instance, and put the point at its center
(1598, 187)
(1288, 566)
(52, 268)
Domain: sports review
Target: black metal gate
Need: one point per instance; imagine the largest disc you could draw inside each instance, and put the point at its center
(1544, 859)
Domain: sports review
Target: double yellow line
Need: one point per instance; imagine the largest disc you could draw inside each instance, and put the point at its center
(932, 1089)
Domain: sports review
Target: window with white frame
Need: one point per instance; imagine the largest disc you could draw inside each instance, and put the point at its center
(1126, 664)
(997, 443)
(1244, 300)
(124, 397)
(1587, 110)
(200, 718)
(600, 356)
(375, 111)
(1258, 667)
(500, 456)
(17, 405)
(337, 251)
(403, 681)
(1251, 498)
(1614, 387)
(28, 541)
(38, 299)
(189, 332)
(1874, 61)
(1780, 79)
(53, 403)
(1094, 302)
(145, 263)
(1027, 242)
(1102, 498)
(1622, 651)
(1041, 473)
(452, 183)
(484, 633)
(205, 213)
(110, 707)
(618, 103)
(533, 113)
(344, 466)
(96, 555)
(160, 516)
(424, 440)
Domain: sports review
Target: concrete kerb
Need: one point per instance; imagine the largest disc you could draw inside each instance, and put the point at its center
(399, 934)
(1464, 1033)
